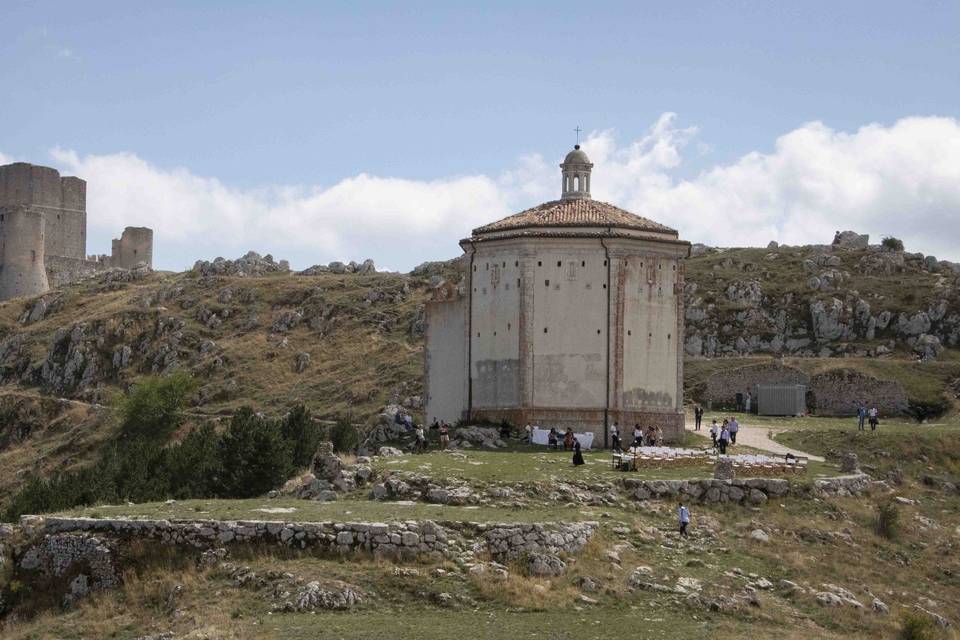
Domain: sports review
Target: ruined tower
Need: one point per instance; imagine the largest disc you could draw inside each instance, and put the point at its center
(43, 232)
(571, 314)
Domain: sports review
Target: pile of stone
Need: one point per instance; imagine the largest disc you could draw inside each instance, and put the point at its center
(484, 437)
(251, 264)
(90, 562)
(329, 475)
(364, 268)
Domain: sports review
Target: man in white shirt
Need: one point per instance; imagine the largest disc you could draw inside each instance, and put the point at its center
(615, 436)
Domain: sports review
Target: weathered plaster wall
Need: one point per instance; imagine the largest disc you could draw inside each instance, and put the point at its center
(569, 327)
(446, 359)
(494, 327)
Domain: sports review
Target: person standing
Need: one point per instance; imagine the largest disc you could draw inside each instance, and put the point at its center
(444, 435)
(552, 438)
(733, 428)
(874, 418)
(421, 443)
(861, 416)
(528, 432)
(615, 437)
(684, 514)
(577, 456)
(659, 436)
(723, 439)
(748, 402)
(637, 436)
(714, 432)
(697, 416)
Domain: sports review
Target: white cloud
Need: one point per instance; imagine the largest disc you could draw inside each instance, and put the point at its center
(901, 180)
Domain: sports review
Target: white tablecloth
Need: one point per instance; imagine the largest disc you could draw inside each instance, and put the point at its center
(541, 436)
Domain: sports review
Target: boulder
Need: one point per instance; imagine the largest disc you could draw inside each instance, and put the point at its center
(544, 565)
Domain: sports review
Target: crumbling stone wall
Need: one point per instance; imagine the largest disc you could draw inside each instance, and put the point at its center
(722, 387)
(83, 563)
(134, 246)
(397, 539)
(837, 392)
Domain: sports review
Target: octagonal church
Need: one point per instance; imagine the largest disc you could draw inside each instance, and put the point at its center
(571, 314)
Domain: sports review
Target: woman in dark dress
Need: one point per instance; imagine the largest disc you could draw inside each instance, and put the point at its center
(552, 438)
(577, 456)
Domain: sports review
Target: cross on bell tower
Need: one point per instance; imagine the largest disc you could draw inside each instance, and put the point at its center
(576, 169)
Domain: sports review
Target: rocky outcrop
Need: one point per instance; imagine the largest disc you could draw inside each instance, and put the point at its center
(251, 264)
(364, 268)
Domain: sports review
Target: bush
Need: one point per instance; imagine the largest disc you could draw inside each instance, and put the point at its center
(154, 407)
(921, 410)
(344, 435)
(914, 625)
(892, 244)
(253, 456)
(888, 520)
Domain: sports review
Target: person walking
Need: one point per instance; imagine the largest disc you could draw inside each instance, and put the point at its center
(684, 515)
(714, 432)
(861, 416)
(733, 428)
(577, 456)
(615, 437)
(723, 439)
(874, 418)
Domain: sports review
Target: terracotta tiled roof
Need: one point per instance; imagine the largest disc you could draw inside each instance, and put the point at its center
(579, 212)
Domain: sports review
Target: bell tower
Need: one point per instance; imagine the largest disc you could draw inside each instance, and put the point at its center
(576, 169)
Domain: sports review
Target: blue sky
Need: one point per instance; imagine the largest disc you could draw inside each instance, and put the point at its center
(307, 115)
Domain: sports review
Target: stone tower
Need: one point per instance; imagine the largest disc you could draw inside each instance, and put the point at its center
(22, 245)
(43, 233)
(571, 314)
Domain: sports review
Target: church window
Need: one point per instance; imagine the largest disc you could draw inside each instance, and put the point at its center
(539, 263)
(604, 263)
(474, 268)
(604, 285)
(494, 333)
(508, 326)
(649, 335)
(504, 265)
(571, 270)
(516, 263)
(518, 282)
(546, 283)
(674, 267)
(559, 263)
(668, 336)
(544, 329)
(660, 266)
(583, 263)
(598, 331)
(629, 333)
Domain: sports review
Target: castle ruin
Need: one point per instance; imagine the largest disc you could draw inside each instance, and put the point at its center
(43, 233)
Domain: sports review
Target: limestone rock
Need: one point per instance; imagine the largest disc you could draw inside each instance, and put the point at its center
(544, 565)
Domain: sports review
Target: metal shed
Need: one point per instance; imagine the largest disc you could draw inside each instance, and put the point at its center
(781, 399)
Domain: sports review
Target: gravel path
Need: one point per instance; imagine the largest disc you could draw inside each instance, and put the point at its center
(758, 436)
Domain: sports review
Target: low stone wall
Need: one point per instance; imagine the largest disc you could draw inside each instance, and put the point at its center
(512, 541)
(62, 270)
(843, 486)
(737, 490)
(836, 392)
(89, 563)
(400, 539)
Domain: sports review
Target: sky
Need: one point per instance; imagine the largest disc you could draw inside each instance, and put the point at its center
(347, 130)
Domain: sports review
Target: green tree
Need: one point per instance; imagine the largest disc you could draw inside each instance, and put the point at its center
(303, 435)
(254, 456)
(154, 407)
(194, 464)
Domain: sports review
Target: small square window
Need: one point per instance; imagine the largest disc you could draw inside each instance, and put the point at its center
(629, 333)
(544, 329)
(604, 285)
(604, 263)
(559, 263)
(546, 283)
(598, 331)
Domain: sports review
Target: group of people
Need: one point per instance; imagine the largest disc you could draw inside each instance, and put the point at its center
(724, 435)
(652, 436)
(443, 432)
(864, 415)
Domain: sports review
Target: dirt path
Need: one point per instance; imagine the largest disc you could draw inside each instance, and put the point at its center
(758, 436)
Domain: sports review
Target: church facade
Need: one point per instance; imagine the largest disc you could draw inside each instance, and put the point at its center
(571, 314)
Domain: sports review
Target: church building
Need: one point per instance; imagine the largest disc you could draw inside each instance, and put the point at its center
(570, 314)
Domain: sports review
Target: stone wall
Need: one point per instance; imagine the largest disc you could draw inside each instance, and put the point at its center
(837, 392)
(740, 490)
(398, 539)
(86, 563)
(63, 271)
(134, 246)
(722, 387)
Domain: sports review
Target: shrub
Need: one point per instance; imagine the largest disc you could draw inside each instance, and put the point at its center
(344, 435)
(921, 410)
(892, 244)
(154, 407)
(888, 520)
(914, 625)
